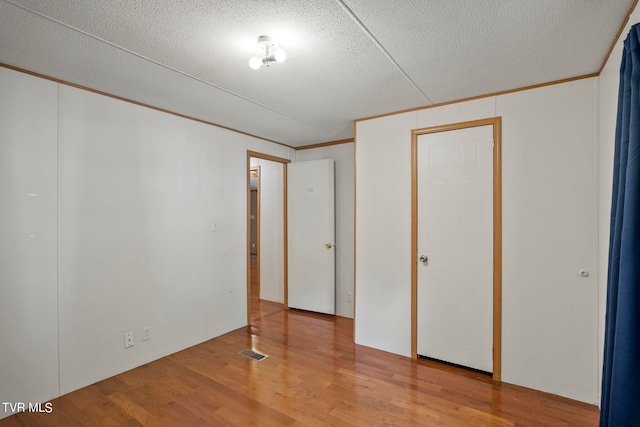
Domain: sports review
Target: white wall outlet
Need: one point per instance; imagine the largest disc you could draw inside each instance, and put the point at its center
(146, 333)
(349, 296)
(128, 340)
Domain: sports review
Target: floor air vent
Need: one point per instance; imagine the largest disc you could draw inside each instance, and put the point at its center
(253, 355)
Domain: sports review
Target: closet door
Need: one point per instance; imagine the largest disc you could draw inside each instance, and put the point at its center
(455, 247)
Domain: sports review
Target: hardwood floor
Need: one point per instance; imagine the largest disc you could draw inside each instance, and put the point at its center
(259, 307)
(315, 375)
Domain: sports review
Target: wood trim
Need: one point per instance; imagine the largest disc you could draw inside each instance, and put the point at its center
(355, 200)
(326, 144)
(267, 157)
(414, 244)
(285, 227)
(248, 244)
(473, 98)
(617, 37)
(131, 101)
(496, 122)
(284, 162)
(497, 249)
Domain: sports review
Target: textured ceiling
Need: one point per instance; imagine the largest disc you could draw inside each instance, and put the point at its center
(346, 59)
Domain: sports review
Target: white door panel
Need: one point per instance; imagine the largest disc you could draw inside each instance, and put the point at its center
(311, 236)
(455, 231)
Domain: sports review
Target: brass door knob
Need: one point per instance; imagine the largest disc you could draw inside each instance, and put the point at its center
(328, 246)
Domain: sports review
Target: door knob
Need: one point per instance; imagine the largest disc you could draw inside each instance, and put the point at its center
(328, 246)
(424, 258)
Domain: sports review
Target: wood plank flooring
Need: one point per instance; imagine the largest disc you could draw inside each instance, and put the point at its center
(259, 307)
(315, 376)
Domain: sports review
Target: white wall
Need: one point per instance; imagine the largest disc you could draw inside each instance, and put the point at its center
(138, 194)
(549, 235)
(343, 156)
(549, 232)
(271, 230)
(383, 233)
(609, 82)
(28, 239)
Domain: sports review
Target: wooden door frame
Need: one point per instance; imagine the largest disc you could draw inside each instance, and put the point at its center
(496, 122)
(284, 163)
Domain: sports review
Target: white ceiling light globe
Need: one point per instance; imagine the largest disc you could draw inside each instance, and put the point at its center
(255, 62)
(280, 55)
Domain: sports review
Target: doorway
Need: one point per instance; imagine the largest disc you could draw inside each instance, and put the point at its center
(266, 235)
(254, 235)
(456, 244)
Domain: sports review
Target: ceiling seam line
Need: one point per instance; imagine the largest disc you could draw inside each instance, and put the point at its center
(175, 70)
(360, 24)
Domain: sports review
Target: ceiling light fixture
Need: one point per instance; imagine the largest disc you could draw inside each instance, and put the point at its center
(271, 53)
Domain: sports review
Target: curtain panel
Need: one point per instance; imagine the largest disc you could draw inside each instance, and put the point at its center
(620, 403)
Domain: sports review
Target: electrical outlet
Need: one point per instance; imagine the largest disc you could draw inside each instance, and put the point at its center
(349, 296)
(128, 340)
(146, 333)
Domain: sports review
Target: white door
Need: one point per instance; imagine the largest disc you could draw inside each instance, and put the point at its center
(311, 236)
(455, 233)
